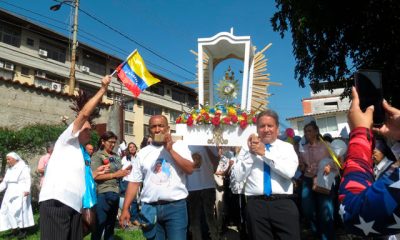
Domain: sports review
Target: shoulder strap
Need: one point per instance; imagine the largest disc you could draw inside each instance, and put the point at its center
(333, 155)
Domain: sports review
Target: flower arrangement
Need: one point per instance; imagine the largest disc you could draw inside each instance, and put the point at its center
(219, 115)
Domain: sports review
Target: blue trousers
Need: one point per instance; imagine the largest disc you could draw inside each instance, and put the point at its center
(106, 214)
(172, 221)
(318, 210)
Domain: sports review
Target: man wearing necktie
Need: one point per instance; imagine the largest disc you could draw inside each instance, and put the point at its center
(267, 166)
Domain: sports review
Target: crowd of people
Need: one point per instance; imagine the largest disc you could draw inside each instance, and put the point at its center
(170, 190)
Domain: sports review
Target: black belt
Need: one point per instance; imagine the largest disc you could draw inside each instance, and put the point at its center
(272, 197)
(163, 202)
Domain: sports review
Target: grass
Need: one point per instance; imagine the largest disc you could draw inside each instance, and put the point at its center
(34, 234)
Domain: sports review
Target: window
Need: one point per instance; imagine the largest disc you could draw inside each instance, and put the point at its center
(10, 35)
(54, 52)
(42, 83)
(151, 109)
(331, 105)
(113, 95)
(157, 89)
(6, 74)
(327, 124)
(173, 115)
(128, 106)
(192, 101)
(25, 71)
(95, 63)
(48, 80)
(30, 42)
(146, 131)
(128, 128)
(6, 70)
(178, 96)
(139, 103)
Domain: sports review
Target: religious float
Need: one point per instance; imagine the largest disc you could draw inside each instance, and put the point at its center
(220, 121)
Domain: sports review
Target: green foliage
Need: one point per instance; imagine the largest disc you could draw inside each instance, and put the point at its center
(333, 38)
(31, 139)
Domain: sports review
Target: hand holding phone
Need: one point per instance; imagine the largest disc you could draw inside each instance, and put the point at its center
(369, 88)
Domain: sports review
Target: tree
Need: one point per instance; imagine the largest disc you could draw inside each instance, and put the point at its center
(332, 39)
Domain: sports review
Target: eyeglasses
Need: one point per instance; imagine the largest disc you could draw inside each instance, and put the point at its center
(111, 142)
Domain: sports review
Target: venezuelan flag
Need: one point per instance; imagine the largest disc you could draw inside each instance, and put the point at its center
(134, 74)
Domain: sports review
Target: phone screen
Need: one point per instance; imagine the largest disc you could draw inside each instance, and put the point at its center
(369, 87)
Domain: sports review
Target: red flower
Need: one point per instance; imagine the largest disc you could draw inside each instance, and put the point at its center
(244, 114)
(190, 121)
(243, 124)
(199, 119)
(234, 119)
(216, 121)
(227, 120)
(254, 119)
(206, 118)
(179, 119)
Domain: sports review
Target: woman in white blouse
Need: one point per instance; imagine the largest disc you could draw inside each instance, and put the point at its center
(16, 209)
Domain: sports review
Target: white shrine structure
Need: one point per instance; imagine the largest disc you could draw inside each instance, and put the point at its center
(254, 87)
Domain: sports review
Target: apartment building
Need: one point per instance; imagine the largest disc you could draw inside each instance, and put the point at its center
(35, 60)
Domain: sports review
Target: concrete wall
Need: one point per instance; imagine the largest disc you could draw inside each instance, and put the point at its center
(22, 105)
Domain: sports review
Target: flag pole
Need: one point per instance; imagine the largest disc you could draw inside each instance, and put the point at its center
(130, 55)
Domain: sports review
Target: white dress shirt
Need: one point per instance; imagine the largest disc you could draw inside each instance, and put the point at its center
(283, 163)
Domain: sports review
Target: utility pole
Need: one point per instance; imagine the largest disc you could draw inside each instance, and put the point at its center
(73, 50)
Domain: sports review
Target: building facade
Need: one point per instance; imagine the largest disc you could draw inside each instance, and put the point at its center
(329, 110)
(36, 60)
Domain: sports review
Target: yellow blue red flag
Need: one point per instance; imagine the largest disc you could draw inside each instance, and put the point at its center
(134, 74)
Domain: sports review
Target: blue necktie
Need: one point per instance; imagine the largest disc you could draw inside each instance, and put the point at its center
(267, 176)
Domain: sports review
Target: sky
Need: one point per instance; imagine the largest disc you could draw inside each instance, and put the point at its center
(170, 29)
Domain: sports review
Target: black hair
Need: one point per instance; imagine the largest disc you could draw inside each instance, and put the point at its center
(104, 137)
(269, 113)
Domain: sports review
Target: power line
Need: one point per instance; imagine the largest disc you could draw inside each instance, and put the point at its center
(96, 40)
(135, 41)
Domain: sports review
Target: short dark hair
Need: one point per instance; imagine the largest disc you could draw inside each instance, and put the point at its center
(106, 136)
(269, 113)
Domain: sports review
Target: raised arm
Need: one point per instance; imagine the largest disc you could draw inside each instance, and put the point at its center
(89, 107)
(367, 208)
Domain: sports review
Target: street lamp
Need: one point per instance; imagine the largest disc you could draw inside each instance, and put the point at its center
(56, 7)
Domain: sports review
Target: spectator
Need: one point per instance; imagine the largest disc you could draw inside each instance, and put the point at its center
(62, 190)
(127, 161)
(107, 186)
(317, 207)
(268, 164)
(162, 167)
(369, 207)
(89, 149)
(382, 156)
(16, 209)
(201, 187)
(42, 164)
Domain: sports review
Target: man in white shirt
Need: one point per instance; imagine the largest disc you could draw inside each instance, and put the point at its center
(162, 166)
(267, 165)
(64, 185)
(201, 187)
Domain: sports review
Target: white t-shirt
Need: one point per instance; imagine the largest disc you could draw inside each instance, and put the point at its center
(203, 174)
(65, 172)
(162, 178)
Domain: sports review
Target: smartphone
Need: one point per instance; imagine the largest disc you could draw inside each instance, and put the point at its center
(369, 88)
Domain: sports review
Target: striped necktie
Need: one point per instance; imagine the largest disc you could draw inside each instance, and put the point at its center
(267, 176)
